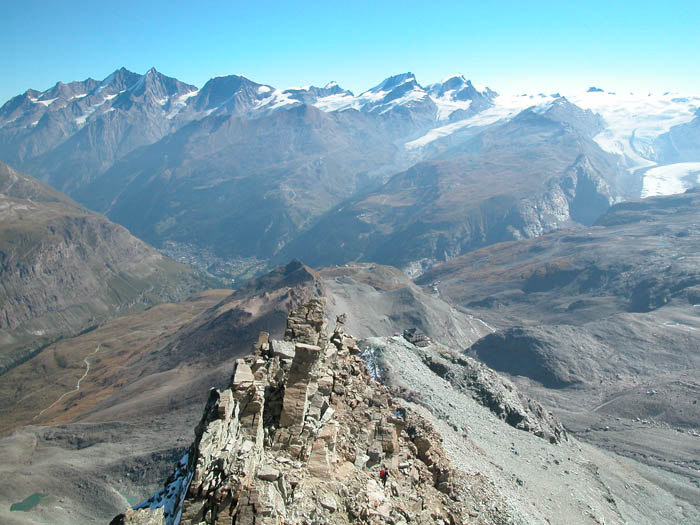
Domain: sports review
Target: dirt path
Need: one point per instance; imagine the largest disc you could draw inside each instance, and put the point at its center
(604, 404)
(77, 386)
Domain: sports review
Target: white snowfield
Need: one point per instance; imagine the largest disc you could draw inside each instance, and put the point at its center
(447, 105)
(504, 108)
(670, 179)
(46, 103)
(632, 124)
(634, 121)
(278, 99)
(336, 102)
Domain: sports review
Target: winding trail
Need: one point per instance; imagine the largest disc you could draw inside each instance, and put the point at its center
(77, 386)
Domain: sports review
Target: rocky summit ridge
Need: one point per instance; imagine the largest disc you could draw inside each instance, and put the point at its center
(300, 436)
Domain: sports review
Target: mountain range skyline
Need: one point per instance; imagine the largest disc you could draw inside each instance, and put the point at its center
(425, 82)
(510, 46)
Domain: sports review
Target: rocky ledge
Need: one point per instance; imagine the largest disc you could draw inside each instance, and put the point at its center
(301, 436)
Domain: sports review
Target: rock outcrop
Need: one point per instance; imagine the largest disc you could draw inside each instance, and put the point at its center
(301, 435)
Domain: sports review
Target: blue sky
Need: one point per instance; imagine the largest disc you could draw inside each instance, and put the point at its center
(509, 46)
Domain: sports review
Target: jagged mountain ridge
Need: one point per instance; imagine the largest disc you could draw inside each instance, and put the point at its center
(294, 404)
(68, 135)
(52, 133)
(151, 374)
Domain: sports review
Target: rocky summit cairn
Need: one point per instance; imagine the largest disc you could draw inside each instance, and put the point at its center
(300, 437)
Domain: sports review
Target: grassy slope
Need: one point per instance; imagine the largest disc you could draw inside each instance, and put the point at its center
(41, 381)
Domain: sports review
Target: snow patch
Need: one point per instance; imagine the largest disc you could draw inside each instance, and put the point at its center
(335, 102)
(171, 497)
(276, 100)
(7, 122)
(371, 358)
(415, 95)
(179, 103)
(82, 119)
(89, 111)
(45, 103)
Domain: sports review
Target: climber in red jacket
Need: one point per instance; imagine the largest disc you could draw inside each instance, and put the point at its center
(383, 475)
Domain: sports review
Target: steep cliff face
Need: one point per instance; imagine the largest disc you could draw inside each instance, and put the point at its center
(301, 436)
(64, 269)
(579, 196)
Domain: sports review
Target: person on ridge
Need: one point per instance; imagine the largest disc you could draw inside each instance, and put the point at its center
(383, 475)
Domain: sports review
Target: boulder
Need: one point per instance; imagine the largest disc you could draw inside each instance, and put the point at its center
(243, 376)
(268, 473)
(282, 349)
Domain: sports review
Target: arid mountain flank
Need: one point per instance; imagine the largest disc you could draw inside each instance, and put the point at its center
(602, 325)
(64, 269)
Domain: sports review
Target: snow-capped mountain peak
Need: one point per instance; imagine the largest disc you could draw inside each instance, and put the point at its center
(394, 82)
(457, 87)
(458, 76)
(456, 97)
